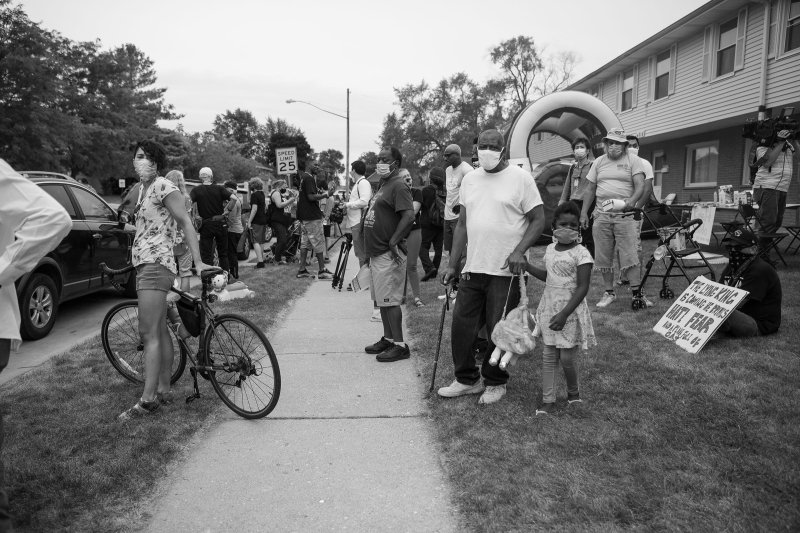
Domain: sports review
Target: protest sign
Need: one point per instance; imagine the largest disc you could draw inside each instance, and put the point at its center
(698, 312)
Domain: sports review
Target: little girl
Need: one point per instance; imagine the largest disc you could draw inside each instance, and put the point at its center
(562, 318)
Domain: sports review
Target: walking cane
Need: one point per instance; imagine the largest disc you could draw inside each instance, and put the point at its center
(445, 307)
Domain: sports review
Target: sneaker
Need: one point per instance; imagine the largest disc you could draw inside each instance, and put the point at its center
(546, 409)
(325, 274)
(304, 274)
(376, 316)
(141, 408)
(350, 287)
(460, 389)
(281, 262)
(418, 303)
(623, 282)
(492, 394)
(574, 398)
(165, 398)
(379, 346)
(260, 264)
(327, 259)
(607, 299)
(395, 353)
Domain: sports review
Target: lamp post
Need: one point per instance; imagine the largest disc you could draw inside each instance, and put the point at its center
(346, 117)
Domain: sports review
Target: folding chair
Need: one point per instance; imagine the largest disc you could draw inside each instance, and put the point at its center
(794, 233)
(752, 222)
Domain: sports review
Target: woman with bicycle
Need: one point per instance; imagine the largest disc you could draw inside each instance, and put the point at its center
(159, 213)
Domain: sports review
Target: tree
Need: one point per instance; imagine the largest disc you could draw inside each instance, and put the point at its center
(243, 128)
(281, 134)
(331, 161)
(370, 159)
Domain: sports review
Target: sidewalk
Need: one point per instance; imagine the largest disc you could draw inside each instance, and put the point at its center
(347, 448)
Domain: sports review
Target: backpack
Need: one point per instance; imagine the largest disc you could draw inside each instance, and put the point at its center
(436, 210)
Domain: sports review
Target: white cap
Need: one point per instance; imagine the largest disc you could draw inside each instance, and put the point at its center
(205, 172)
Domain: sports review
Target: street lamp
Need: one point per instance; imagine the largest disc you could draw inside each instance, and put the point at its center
(346, 117)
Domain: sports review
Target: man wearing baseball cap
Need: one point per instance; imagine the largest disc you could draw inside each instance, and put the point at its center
(760, 312)
(616, 181)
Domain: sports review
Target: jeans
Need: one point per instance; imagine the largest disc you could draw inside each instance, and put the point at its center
(550, 358)
(431, 236)
(479, 296)
(282, 235)
(233, 259)
(739, 325)
(771, 206)
(214, 233)
(449, 229)
(5, 511)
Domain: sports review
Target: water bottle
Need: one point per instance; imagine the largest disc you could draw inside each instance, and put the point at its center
(716, 197)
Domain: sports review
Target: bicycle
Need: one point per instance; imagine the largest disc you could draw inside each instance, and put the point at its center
(233, 353)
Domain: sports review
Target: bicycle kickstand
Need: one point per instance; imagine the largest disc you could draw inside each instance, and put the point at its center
(196, 395)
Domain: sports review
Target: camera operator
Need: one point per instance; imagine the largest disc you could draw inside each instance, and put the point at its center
(775, 166)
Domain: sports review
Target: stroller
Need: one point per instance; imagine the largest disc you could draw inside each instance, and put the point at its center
(676, 248)
(292, 244)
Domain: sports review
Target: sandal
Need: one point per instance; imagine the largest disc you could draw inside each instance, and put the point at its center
(418, 302)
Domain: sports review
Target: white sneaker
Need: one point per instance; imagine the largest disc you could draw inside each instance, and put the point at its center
(376, 316)
(459, 389)
(493, 393)
(607, 299)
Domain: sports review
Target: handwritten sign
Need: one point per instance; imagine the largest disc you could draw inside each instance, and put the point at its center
(698, 312)
(706, 214)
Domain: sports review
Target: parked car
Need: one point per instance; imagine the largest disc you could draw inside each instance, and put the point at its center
(72, 269)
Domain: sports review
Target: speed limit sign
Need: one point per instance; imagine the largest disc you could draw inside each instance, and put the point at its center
(286, 160)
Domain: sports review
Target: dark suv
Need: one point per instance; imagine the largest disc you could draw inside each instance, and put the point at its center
(71, 270)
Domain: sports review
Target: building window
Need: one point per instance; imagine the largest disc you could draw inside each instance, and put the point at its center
(627, 90)
(659, 164)
(793, 26)
(662, 75)
(726, 47)
(701, 164)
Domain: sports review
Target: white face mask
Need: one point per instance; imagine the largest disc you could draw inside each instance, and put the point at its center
(489, 159)
(633, 151)
(145, 169)
(580, 153)
(383, 169)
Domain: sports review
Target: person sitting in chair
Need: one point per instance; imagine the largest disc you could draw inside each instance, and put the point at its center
(760, 311)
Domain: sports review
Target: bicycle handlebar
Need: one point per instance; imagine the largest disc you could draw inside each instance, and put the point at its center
(116, 271)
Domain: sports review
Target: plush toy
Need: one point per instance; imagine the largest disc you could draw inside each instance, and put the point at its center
(513, 335)
(226, 292)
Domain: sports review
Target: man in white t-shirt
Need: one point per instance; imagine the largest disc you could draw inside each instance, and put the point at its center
(501, 216)
(774, 174)
(453, 175)
(619, 176)
(356, 204)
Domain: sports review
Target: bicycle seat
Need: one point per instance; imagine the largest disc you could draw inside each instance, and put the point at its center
(209, 273)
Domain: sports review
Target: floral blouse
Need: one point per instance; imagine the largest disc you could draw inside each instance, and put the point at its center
(156, 231)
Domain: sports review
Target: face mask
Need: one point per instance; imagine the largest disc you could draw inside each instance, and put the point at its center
(565, 235)
(634, 151)
(145, 169)
(614, 151)
(283, 190)
(383, 169)
(489, 159)
(580, 153)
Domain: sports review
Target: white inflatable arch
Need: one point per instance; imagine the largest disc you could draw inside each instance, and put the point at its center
(569, 114)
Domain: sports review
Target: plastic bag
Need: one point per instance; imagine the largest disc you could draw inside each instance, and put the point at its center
(513, 334)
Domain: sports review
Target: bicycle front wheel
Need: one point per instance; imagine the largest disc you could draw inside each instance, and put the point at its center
(245, 371)
(124, 347)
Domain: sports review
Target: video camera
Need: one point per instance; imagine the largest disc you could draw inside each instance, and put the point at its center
(765, 132)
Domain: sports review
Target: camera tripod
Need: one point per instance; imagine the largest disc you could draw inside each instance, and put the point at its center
(341, 262)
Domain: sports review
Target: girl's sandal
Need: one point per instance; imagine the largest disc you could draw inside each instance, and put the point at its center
(418, 302)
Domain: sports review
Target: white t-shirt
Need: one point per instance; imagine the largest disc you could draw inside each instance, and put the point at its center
(614, 178)
(359, 199)
(453, 178)
(496, 205)
(770, 177)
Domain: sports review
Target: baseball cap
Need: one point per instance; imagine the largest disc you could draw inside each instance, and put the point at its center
(741, 237)
(205, 172)
(617, 135)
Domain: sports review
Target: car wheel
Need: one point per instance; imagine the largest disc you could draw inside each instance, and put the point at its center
(129, 289)
(245, 253)
(38, 307)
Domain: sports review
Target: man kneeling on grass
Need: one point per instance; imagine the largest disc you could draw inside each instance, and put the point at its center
(760, 312)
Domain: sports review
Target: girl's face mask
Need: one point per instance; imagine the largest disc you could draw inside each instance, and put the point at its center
(566, 235)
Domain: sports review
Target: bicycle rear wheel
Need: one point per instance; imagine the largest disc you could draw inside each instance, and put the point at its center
(123, 344)
(245, 370)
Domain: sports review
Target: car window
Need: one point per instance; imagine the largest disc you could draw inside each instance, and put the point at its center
(93, 207)
(60, 194)
(555, 185)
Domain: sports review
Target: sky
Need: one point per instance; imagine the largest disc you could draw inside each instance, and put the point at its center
(256, 54)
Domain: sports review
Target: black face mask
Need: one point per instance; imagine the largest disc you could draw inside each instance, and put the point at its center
(283, 190)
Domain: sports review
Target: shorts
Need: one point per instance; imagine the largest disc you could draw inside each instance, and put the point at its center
(184, 263)
(259, 233)
(615, 233)
(154, 277)
(313, 237)
(388, 280)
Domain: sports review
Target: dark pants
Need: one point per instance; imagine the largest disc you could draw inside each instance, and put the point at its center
(449, 229)
(5, 511)
(479, 295)
(587, 239)
(233, 259)
(434, 236)
(282, 235)
(771, 206)
(739, 325)
(212, 232)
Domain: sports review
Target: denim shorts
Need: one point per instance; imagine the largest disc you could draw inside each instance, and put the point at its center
(615, 233)
(154, 277)
(313, 237)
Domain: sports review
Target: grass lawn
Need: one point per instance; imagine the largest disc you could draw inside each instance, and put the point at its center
(71, 466)
(665, 440)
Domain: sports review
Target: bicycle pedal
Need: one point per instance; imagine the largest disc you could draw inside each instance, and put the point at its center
(191, 398)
